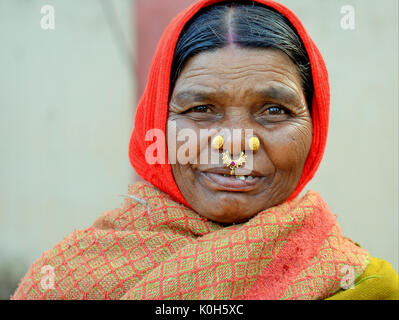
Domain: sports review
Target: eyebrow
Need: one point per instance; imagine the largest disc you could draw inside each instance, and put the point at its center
(273, 92)
(193, 95)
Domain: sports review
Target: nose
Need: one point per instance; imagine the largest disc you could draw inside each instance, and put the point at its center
(236, 140)
(237, 127)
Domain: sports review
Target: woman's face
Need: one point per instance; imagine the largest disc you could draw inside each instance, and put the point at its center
(239, 88)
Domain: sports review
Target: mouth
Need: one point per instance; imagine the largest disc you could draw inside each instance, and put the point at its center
(236, 183)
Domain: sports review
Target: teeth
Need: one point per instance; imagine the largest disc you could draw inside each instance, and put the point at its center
(243, 178)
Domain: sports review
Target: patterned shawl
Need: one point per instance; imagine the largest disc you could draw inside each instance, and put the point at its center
(155, 248)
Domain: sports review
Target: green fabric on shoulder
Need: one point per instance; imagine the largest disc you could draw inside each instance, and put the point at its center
(378, 282)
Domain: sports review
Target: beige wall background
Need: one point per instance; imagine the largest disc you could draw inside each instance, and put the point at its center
(66, 113)
(66, 110)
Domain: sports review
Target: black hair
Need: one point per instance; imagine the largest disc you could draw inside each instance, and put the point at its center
(247, 24)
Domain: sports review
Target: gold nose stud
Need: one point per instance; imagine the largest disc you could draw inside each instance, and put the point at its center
(217, 142)
(254, 143)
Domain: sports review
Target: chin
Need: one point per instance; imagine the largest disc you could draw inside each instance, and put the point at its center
(227, 209)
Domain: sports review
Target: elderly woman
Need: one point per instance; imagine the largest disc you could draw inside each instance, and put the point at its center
(224, 220)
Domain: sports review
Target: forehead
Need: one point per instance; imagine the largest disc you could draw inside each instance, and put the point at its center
(235, 68)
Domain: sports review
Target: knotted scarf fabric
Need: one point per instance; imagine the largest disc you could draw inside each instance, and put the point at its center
(155, 248)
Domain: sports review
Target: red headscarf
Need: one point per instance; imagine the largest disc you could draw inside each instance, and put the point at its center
(152, 110)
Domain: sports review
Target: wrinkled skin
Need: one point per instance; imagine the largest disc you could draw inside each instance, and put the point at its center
(241, 88)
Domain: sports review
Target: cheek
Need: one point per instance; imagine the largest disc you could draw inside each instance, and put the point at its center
(182, 141)
(288, 147)
(183, 150)
(183, 176)
(188, 144)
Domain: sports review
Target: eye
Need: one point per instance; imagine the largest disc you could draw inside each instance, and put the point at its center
(276, 111)
(273, 113)
(199, 109)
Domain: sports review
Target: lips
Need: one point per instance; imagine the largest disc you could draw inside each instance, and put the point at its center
(238, 183)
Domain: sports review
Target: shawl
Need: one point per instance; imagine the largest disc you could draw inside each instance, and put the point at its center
(156, 248)
(152, 109)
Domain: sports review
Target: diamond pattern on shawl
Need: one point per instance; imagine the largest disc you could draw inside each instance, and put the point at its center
(163, 250)
(324, 270)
